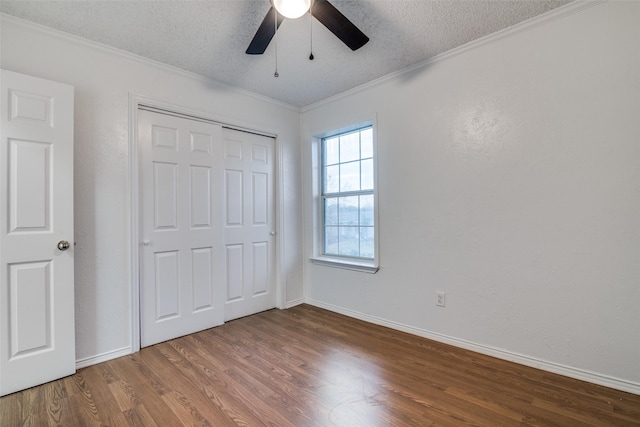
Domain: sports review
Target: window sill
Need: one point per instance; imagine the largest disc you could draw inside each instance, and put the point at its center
(363, 266)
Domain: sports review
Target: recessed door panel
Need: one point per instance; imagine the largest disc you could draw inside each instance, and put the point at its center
(233, 149)
(30, 307)
(29, 186)
(201, 143)
(31, 108)
(165, 190)
(167, 285)
(165, 138)
(203, 281)
(260, 267)
(200, 196)
(260, 199)
(259, 153)
(234, 197)
(235, 268)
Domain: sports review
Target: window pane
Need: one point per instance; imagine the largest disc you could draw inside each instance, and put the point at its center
(349, 241)
(348, 210)
(332, 179)
(347, 199)
(331, 148)
(367, 174)
(366, 143)
(350, 147)
(366, 242)
(366, 210)
(350, 176)
(331, 211)
(331, 240)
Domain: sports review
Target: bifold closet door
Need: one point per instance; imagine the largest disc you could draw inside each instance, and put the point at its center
(181, 241)
(249, 223)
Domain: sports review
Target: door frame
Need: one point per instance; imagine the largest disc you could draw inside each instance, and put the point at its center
(135, 102)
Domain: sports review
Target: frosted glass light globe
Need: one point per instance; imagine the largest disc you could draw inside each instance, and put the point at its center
(292, 8)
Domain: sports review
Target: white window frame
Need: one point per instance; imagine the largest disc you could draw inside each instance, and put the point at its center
(318, 257)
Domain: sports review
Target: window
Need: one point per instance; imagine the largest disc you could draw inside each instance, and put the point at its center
(347, 198)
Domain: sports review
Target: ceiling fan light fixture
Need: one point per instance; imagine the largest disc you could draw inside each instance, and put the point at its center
(292, 9)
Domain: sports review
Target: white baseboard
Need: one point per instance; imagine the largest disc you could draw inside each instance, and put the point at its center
(579, 374)
(99, 358)
(294, 302)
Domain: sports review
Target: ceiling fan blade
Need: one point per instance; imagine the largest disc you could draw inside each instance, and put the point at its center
(338, 24)
(265, 33)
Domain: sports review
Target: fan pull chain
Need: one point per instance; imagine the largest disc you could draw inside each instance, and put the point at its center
(311, 32)
(275, 14)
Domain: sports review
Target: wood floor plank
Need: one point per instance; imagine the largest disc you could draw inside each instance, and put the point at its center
(148, 391)
(82, 403)
(211, 389)
(106, 405)
(306, 366)
(83, 411)
(220, 364)
(124, 394)
(60, 414)
(272, 380)
(140, 416)
(251, 397)
(184, 409)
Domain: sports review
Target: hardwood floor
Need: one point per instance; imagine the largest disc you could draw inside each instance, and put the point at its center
(309, 367)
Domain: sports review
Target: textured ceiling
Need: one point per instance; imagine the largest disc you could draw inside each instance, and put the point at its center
(210, 37)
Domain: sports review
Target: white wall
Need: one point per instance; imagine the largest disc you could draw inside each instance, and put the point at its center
(103, 79)
(509, 178)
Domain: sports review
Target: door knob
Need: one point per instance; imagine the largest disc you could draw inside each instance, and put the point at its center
(63, 245)
(272, 233)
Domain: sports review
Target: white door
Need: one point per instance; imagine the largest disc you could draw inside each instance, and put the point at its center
(37, 325)
(182, 289)
(249, 233)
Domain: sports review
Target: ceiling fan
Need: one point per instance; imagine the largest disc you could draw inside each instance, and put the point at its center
(322, 10)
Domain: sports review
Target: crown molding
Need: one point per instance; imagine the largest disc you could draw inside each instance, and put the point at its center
(71, 38)
(553, 15)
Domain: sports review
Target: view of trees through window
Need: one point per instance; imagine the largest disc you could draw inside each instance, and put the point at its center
(347, 194)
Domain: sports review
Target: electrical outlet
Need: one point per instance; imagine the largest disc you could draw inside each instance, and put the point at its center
(440, 299)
